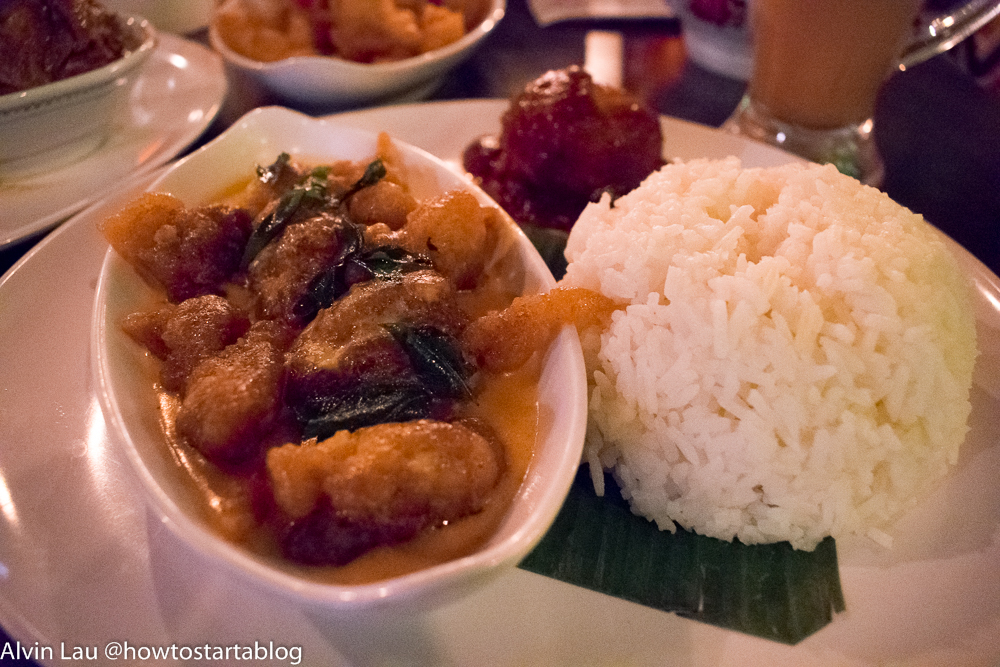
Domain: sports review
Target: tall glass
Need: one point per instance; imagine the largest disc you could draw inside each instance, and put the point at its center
(818, 66)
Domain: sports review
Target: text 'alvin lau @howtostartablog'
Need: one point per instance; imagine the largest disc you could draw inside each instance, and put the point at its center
(126, 652)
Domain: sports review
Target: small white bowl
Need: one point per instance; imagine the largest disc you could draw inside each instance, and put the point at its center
(129, 400)
(331, 83)
(50, 126)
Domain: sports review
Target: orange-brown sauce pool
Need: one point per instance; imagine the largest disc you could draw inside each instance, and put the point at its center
(507, 402)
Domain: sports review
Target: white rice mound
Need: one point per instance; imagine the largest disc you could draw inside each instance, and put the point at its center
(794, 360)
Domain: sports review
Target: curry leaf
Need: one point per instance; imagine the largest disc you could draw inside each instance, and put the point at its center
(354, 265)
(436, 357)
(330, 284)
(374, 172)
(272, 172)
(366, 406)
(392, 261)
(312, 193)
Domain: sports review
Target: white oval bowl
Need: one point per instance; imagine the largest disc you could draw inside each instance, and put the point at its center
(329, 83)
(129, 399)
(49, 126)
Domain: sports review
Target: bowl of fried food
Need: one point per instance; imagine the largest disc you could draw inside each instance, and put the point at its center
(65, 67)
(318, 55)
(338, 367)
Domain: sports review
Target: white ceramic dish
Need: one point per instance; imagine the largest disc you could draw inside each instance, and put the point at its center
(325, 82)
(85, 564)
(50, 126)
(175, 97)
(130, 401)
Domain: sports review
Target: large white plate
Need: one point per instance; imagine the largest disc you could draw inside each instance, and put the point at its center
(175, 98)
(82, 565)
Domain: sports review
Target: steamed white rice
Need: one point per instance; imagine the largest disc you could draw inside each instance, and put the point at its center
(795, 358)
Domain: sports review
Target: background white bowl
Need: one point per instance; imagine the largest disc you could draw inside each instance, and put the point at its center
(130, 404)
(52, 125)
(329, 83)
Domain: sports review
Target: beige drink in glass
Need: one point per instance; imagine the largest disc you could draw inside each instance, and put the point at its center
(818, 66)
(819, 63)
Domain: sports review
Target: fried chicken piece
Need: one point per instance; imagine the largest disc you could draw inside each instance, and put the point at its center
(363, 381)
(458, 234)
(381, 485)
(285, 268)
(420, 296)
(350, 362)
(504, 340)
(385, 202)
(233, 398)
(186, 251)
(371, 354)
(186, 334)
(264, 30)
(387, 30)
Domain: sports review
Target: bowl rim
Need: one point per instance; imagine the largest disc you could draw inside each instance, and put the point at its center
(437, 583)
(494, 13)
(24, 100)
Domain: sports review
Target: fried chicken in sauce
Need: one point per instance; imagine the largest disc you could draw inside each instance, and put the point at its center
(313, 347)
(186, 334)
(379, 485)
(187, 252)
(232, 399)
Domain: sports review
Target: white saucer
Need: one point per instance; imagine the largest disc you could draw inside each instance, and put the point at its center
(175, 98)
(82, 564)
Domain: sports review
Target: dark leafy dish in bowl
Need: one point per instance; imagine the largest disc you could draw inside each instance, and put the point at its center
(308, 358)
(64, 65)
